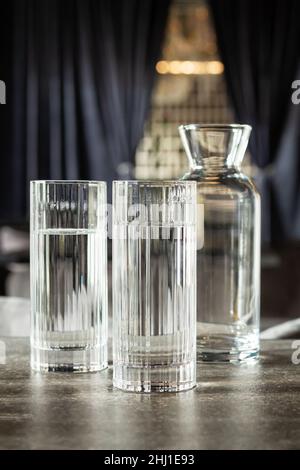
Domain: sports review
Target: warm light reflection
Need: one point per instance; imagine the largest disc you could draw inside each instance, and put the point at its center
(190, 67)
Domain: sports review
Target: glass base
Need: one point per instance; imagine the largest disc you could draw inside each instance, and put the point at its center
(154, 378)
(69, 359)
(227, 356)
(226, 348)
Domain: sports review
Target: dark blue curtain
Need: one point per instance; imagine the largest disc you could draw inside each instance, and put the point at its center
(259, 42)
(79, 79)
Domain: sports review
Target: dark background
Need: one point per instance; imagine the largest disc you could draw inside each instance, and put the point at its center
(80, 78)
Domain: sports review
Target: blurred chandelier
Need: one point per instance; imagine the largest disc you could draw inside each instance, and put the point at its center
(190, 67)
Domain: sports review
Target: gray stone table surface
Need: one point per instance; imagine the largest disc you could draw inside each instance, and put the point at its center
(253, 406)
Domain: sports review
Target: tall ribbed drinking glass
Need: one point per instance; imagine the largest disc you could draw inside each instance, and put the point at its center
(154, 285)
(68, 276)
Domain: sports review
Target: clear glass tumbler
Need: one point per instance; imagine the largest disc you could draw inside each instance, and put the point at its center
(68, 261)
(154, 285)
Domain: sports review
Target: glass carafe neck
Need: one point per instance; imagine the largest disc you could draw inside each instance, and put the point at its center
(214, 149)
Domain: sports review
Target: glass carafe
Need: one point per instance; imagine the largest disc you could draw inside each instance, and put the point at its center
(228, 243)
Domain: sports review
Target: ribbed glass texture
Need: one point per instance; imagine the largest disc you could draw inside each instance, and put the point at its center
(68, 258)
(228, 243)
(154, 280)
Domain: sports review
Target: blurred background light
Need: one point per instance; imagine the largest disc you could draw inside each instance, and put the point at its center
(190, 67)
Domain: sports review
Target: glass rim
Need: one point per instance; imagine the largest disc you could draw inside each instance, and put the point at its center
(155, 183)
(211, 126)
(65, 182)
